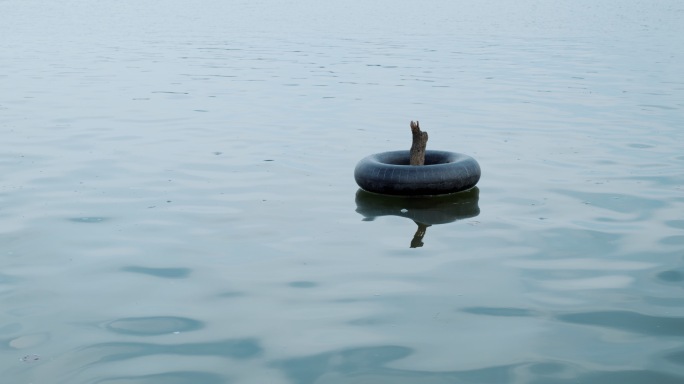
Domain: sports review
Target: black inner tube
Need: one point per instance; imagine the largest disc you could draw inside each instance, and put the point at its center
(443, 173)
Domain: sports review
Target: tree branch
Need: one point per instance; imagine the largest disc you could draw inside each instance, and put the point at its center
(420, 139)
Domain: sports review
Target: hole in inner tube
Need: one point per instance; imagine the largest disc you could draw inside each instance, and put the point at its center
(430, 159)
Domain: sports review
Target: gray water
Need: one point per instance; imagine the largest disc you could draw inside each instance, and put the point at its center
(177, 202)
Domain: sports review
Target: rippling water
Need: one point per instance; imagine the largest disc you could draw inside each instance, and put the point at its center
(177, 202)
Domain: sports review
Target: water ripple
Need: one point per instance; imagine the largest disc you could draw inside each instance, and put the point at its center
(173, 377)
(505, 312)
(156, 325)
(239, 349)
(169, 273)
(629, 321)
(369, 365)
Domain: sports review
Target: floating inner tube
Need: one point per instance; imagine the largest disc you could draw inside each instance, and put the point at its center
(444, 172)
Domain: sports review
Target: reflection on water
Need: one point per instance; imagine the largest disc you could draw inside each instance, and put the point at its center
(424, 211)
(172, 377)
(372, 365)
(499, 311)
(149, 326)
(88, 219)
(117, 351)
(630, 321)
(169, 273)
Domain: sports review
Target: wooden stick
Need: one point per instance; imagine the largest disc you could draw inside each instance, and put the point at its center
(420, 139)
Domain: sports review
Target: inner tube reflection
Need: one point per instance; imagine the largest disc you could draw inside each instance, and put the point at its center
(424, 211)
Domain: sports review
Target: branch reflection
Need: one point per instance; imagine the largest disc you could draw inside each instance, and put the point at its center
(424, 211)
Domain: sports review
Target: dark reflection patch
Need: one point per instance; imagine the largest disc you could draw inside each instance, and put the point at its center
(622, 377)
(229, 294)
(502, 311)
(675, 223)
(118, 351)
(90, 220)
(369, 321)
(676, 357)
(185, 377)
(150, 326)
(672, 240)
(629, 321)
(168, 273)
(547, 368)
(671, 276)
(367, 365)
(302, 284)
(665, 301)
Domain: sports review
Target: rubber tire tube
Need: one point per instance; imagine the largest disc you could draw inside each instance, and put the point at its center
(444, 172)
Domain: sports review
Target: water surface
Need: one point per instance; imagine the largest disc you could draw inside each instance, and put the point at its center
(177, 202)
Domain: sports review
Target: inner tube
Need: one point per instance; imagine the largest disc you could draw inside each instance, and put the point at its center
(390, 173)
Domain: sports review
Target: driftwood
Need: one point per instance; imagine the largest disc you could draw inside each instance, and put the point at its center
(420, 139)
(417, 152)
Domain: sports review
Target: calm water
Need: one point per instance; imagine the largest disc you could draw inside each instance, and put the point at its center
(177, 202)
